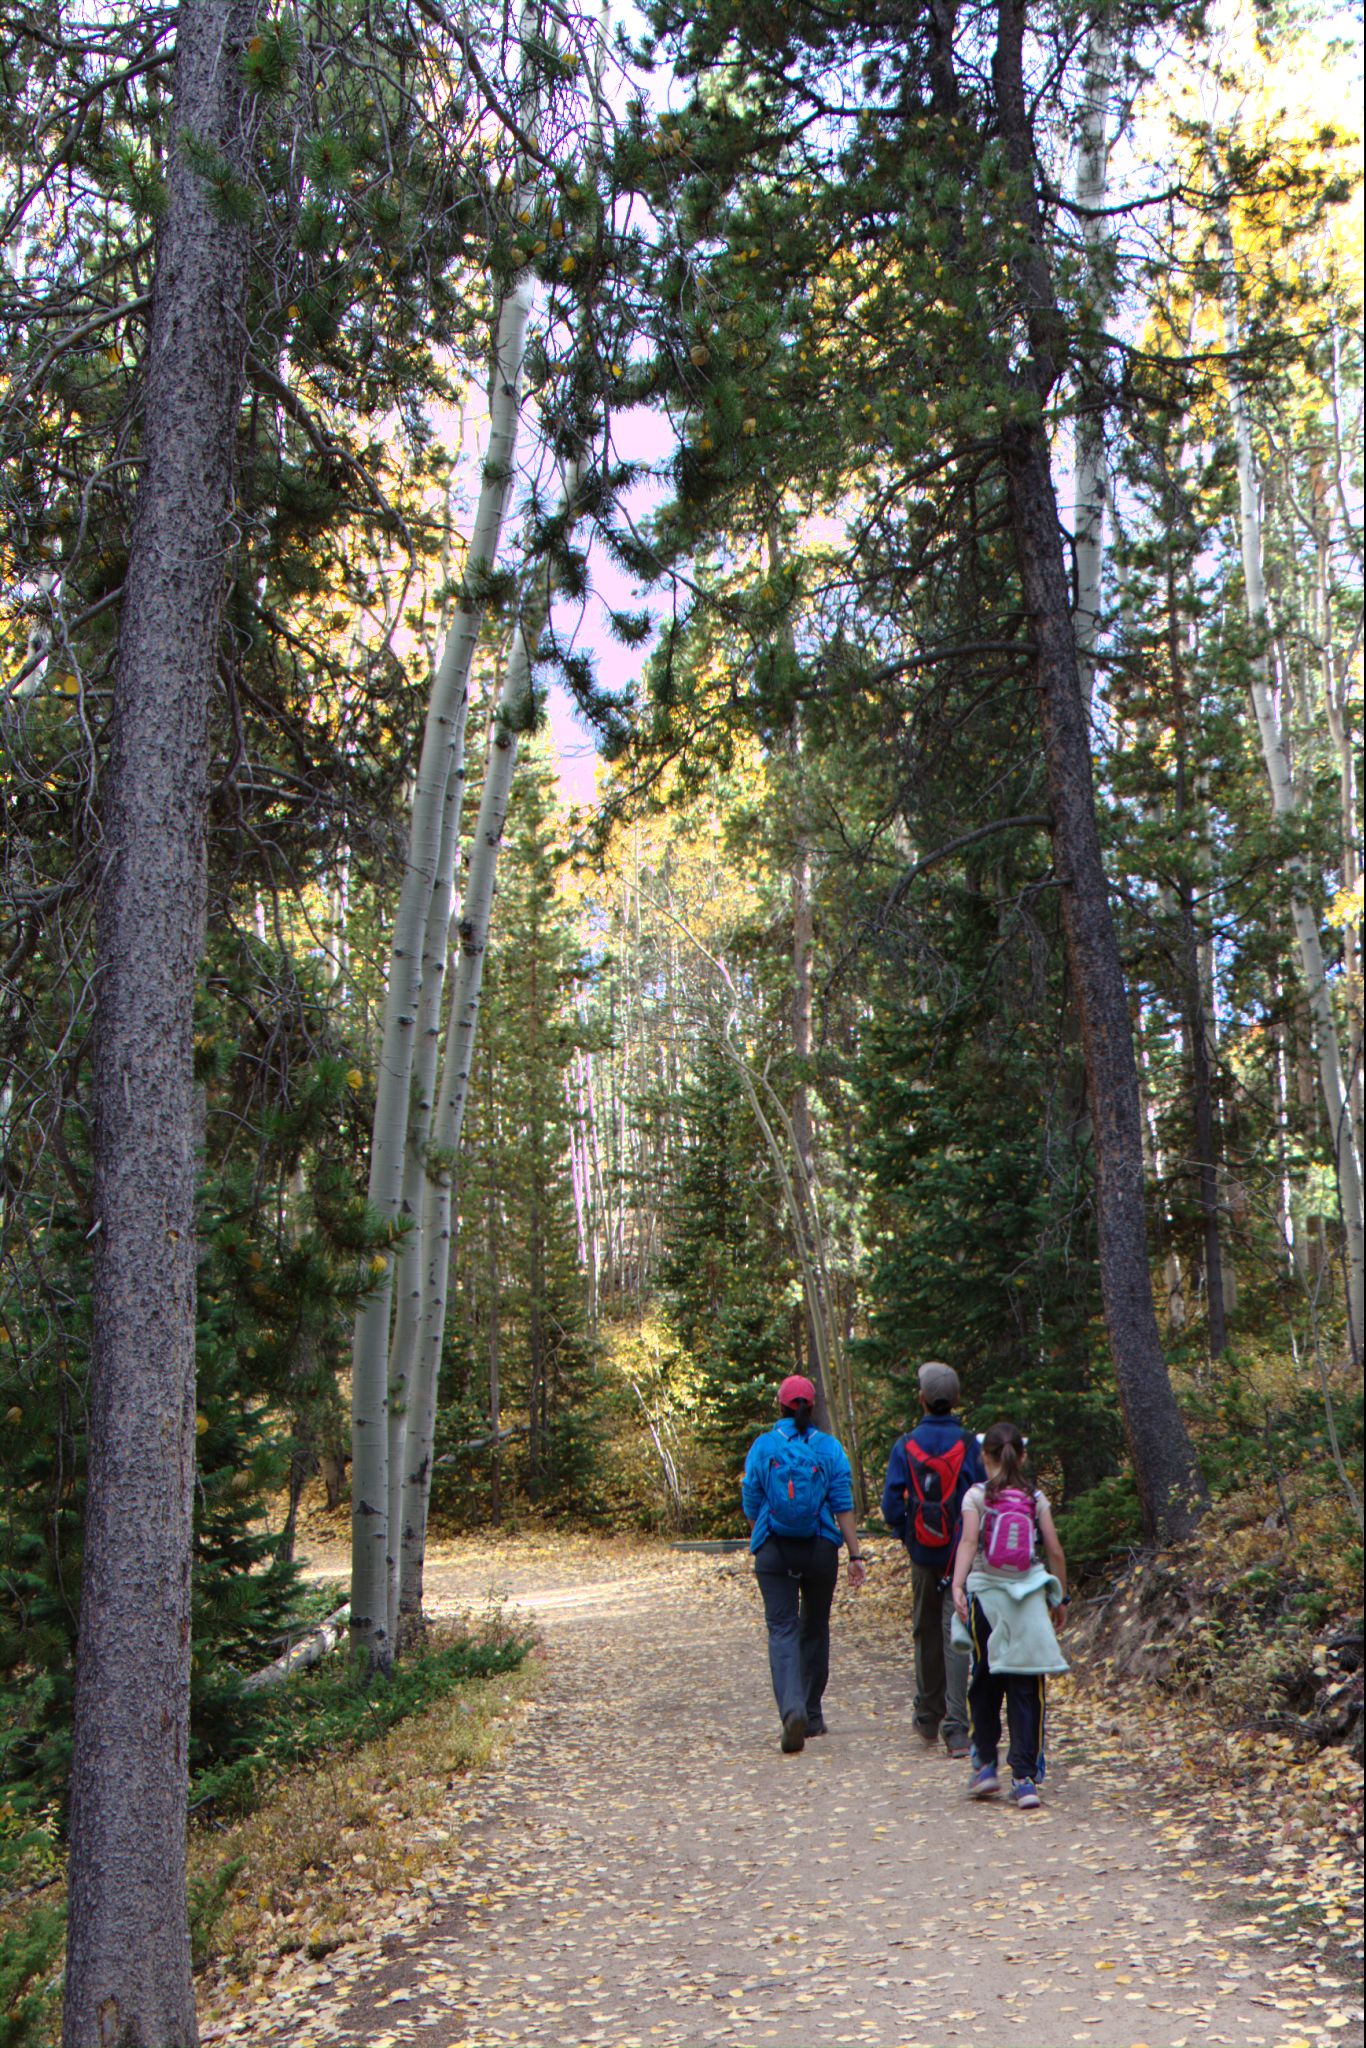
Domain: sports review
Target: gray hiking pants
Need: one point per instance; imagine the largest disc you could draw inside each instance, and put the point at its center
(941, 1672)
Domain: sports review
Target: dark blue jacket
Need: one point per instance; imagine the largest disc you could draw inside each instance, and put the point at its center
(935, 1434)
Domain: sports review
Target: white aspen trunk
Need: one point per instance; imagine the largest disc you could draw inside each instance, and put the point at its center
(1092, 167)
(1154, 1169)
(441, 746)
(578, 1175)
(592, 1177)
(1284, 804)
(307, 1649)
(495, 1366)
(1336, 707)
(602, 1234)
(435, 948)
(1292, 1236)
(415, 1364)
(509, 719)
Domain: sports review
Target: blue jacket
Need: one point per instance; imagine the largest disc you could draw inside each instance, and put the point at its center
(935, 1434)
(839, 1496)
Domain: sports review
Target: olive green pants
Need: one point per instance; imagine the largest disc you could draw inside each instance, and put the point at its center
(941, 1672)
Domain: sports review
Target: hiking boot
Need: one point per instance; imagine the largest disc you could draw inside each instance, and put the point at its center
(959, 1748)
(794, 1734)
(929, 1736)
(816, 1728)
(984, 1784)
(1023, 1794)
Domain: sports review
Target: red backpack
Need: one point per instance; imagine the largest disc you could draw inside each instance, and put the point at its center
(929, 1497)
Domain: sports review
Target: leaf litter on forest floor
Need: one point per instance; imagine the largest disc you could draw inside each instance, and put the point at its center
(1244, 1810)
(564, 1909)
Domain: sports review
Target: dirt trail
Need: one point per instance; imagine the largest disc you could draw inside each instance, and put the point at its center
(646, 1868)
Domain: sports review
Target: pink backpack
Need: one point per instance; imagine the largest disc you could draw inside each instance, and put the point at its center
(1008, 1530)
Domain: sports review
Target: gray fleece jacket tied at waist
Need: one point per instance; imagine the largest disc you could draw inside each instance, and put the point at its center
(1016, 1604)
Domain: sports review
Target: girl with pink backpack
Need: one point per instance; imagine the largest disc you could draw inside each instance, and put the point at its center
(1009, 1603)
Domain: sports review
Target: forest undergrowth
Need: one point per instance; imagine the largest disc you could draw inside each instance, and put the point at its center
(336, 1800)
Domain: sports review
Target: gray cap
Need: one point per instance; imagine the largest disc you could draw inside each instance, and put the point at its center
(939, 1382)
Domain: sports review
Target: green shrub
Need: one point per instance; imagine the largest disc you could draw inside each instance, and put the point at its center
(1103, 1524)
(30, 1984)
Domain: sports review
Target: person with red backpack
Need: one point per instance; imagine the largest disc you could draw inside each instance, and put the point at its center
(928, 1475)
(798, 1497)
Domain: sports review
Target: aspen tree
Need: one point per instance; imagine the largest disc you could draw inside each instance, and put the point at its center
(128, 1956)
(408, 1311)
(441, 760)
(380, 1367)
(1285, 802)
(511, 716)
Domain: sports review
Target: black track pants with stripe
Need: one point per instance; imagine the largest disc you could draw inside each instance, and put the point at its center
(1023, 1697)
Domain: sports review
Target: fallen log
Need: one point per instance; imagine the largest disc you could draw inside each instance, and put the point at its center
(309, 1648)
(482, 1443)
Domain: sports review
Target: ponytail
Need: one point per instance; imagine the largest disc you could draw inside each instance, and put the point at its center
(1004, 1444)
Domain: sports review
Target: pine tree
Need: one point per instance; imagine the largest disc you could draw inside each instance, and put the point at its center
(943, 417)
(981, 1226)
(128, 1954)
(521, 1283)
(727, 1272)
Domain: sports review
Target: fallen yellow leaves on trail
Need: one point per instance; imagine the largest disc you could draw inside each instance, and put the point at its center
(645, 1870)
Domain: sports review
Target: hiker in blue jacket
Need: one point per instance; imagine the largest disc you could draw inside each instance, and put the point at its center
(798, 1497)
(929, 1472)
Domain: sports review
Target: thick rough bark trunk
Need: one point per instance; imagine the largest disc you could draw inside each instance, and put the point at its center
(1170, 1488)
(1092, 167)
(128, 1956)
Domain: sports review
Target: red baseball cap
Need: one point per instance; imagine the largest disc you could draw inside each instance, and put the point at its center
(795, 1388)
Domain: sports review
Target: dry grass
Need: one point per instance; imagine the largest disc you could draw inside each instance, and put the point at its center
(335, 1848)
(317, 1855)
